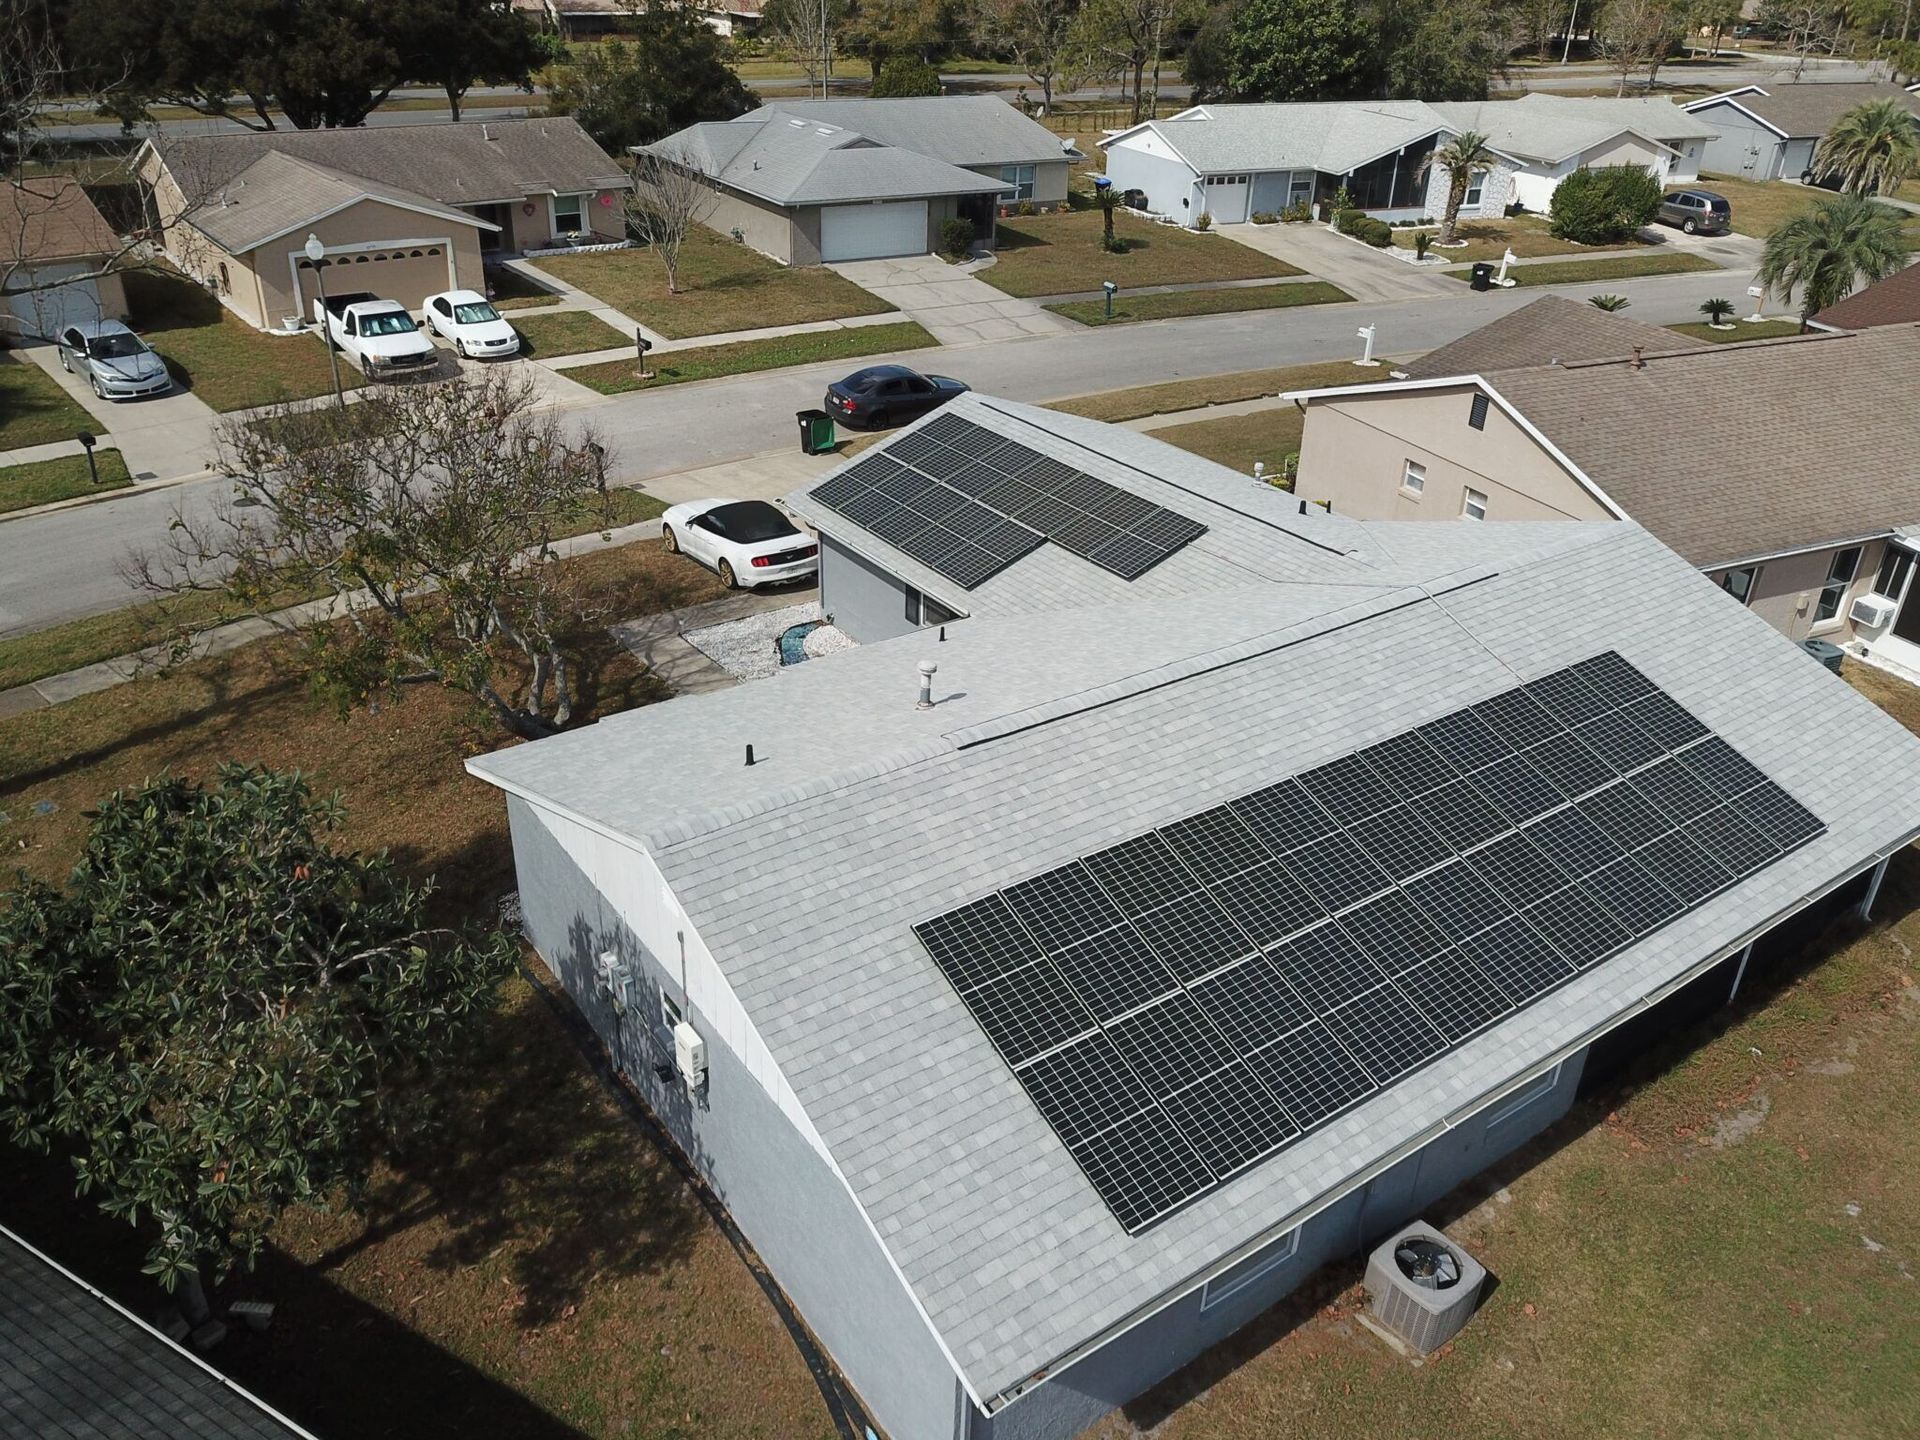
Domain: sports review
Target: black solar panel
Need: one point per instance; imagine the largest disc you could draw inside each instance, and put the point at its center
(935, 523)
(1190, 1000)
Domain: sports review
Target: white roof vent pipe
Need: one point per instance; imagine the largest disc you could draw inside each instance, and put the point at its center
(927, 671)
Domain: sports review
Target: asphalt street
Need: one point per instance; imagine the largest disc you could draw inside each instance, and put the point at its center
(67, 564)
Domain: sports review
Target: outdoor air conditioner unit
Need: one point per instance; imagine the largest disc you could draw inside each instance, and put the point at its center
(690, 1055)
(1423, 1287)
(1875, 612)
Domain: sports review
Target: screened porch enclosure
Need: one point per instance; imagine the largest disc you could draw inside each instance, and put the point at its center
(1393, 182)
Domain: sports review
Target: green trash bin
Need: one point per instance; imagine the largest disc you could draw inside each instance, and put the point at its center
(816, 432)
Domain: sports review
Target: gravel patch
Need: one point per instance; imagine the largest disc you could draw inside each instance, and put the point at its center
(746, 647)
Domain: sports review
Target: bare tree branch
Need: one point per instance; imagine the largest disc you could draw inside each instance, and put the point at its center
(669, 197)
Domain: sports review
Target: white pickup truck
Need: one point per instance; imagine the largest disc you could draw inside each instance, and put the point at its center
(377, 335)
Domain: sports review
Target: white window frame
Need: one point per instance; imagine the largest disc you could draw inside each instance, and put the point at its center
(1752, 572)
(1476, 188)
(582, 200)
(1021, 177)
(1256, 1267)
(1413, 478)
(1838, 585)
(1472, 501)
(1532, 1093)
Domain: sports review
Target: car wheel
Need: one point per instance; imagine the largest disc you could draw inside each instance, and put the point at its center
(65, 363)
(669, 542)
(98, 393)
(727, 577)
(1690, 227)
(879, 420)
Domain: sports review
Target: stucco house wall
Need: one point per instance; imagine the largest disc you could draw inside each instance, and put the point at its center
(600, 210)
(862, 599)
(765, 227)
(1786, 592)
(362, 241)
(1049, 181)
(1744, 147)
(1145, 162)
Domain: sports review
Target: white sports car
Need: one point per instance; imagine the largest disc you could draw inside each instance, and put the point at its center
(744, 542)
(468, 319)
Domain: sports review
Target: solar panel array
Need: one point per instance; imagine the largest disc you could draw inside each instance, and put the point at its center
(967, 503)
(1188, 1002)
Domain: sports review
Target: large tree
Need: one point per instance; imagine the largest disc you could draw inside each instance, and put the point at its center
(1446, 50)
(1297, 50)
(1127, 40)
(220, 1015)
(672, 72)
(1872, 148)
(1037, 34)
(1826, 250)
(1636, 35)
(457, 44)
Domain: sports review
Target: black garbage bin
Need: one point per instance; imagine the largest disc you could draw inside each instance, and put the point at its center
(1482, 276)
(816, 432)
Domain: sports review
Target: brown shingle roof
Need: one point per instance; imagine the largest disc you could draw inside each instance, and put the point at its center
(51, 219)
(1550, 329)
(1892, 301)
(1808, 109)
(1754, 448)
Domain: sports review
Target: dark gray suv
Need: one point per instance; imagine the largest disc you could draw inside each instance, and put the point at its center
(1698, 212)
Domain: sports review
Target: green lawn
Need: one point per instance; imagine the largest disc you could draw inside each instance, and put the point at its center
(1200, 302)
(1526, 235)
(1760, 207)
(34, 410)
(43, 481)
(222, 359)
(1061, 255)
(1764, 330)
(707, 362)
(723, 287)
(1172, 396)
(571, 332)
(1571, 272)
(513, 291)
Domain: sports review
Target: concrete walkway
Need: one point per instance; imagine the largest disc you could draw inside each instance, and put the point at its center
(955, 307)
(1259, 282)
(166, 436)
(1357, 269)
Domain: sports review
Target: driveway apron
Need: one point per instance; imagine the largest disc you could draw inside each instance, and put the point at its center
(955, 308)
(1360, 270)
(160, 438)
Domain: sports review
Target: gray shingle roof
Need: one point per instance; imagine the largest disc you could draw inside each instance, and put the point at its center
(1553, 128)
(959, 129)
(1730, 452)
(1808, 109)
(1551, 329)
(279, 193)
(75, 1366)
(788, 160)
(1061, 732)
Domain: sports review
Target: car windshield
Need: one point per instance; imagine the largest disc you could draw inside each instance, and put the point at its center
(397, 323)
(114, 347)
(477, 314)
(751, 521)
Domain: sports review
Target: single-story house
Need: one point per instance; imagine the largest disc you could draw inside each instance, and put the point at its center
(1048, 998)
(1892, 301)
(1777, 467)
(75, 1363)
(1768, 132)
(813, 181)
(1235, 161)
(413, 209)
(56, 258)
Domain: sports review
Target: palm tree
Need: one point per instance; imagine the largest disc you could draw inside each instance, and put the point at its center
(1872, 148)
(1828, 249)
(1459, 157)
(1608, 303)
(1718, 312)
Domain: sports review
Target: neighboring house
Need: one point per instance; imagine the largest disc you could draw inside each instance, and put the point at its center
(589, 19)
(1776, 466)
(1549, 331)
(412, 209)
(1769, 132)
(1892, 301)
(1009, 1025)
(799, 184)
(75, 1364)
(55, 250)
(1235, 161)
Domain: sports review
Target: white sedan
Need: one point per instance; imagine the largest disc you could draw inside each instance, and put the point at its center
(744, 542)
(468, 319)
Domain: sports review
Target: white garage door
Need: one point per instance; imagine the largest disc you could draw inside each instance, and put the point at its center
(44, 312)
(870, 232)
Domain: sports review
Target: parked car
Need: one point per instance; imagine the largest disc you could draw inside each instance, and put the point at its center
(1828, 180)
(1698, 212)
(880, 395)
(468, 319)
(744, 542)
(118, 364)
(378, 335)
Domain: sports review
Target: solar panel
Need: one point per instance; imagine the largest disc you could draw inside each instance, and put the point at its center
(1189, 1000)
(934, 523)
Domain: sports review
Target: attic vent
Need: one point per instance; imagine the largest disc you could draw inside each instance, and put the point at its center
(1477, 417)
(798, 124)
(823, 130)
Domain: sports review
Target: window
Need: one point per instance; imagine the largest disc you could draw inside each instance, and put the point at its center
(1021, 178)
(1300, 187)
(1896, 568)
(1476, 187)
(913, 606)
(1739, 583)
(1477, 417)
(1235, 1278)
(1413, 479)
(669, 1010)
(1846, 564)
(1534, 1090)
(932, 612)
(567, 213)
(1474, 507)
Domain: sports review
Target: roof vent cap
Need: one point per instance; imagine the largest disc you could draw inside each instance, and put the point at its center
(927, 671)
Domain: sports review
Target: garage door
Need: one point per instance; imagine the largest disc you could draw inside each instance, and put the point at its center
(408, 274)
(870, 232)
(44, 312)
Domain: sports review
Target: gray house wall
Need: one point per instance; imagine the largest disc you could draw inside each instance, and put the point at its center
(1744, 147)
(863, 600)
(779, 1191)
(1049, 180)
(1166, 180)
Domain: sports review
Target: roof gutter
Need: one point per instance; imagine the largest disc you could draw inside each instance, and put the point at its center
(1334, 1194)
(1886, 533)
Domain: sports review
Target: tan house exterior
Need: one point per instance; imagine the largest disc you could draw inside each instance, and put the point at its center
(57, 258)
(1806, 526)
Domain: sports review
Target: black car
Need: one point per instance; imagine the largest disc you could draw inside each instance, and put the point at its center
(882, 395)
(1824, 180)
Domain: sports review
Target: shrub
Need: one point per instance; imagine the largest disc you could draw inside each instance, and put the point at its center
(1376, 233)
(1203, 221)
(1608, 303)
(1297, 212)
(1422, 243)
(1265, 217)
(1113, 244)
(1718, 311)
(905, 75)
(1027, 207)
(1604, 206)
(956, 235)
(1346, 221)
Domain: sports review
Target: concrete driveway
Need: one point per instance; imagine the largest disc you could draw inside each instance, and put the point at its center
(1360, 270)
(165, 436)
(1731, 251)
(955, 308)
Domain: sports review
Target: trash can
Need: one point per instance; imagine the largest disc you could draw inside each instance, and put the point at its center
(1482, 276)
(1826, 652)
(816, 432)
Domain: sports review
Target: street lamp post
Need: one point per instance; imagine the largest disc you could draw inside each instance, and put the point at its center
(316, 254)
